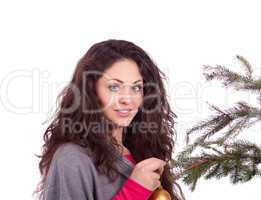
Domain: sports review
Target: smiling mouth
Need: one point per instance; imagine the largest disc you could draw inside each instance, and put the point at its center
(123, 112)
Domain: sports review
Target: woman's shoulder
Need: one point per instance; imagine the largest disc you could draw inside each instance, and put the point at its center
(70, 175)
(73, 153)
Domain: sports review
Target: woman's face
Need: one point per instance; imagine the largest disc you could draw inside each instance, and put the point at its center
(120, 90)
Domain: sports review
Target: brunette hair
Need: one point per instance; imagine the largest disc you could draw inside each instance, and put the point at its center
(155, 110)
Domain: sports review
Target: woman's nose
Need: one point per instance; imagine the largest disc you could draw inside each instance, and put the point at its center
(125, 96)
(125, 99)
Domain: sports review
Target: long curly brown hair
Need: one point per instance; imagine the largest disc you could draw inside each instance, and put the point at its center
(155, 109)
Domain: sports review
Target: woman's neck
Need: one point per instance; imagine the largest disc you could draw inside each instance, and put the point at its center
(117, 134)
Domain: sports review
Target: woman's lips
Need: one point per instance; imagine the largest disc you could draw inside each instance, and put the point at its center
(123, 112)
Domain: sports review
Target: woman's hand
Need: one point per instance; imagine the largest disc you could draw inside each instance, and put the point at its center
(147, 172)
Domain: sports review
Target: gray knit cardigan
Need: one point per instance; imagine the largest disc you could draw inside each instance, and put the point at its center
(73, 176)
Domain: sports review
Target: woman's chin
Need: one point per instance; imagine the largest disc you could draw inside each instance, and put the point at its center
(122, 123)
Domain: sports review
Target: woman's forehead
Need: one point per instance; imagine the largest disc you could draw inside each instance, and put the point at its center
(120, 80)
(125, 70)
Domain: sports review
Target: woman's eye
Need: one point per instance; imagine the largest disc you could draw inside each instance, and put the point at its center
(113, 88)
(137, 88)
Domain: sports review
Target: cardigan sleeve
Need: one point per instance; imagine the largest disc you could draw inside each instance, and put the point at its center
(69, 177)
(132, 189)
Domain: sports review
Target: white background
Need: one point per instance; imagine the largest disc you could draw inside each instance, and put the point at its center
(41, 42)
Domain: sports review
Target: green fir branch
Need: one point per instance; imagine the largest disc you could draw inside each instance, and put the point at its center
(225, 155)
(232, 79)
(238, 160)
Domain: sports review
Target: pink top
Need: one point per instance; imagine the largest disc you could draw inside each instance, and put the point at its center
(132, 189)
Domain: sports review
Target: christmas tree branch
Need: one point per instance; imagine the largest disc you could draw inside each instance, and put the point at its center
(208, 156)
(239, 160)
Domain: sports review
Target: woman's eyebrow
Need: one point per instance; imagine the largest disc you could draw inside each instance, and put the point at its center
(122, 81)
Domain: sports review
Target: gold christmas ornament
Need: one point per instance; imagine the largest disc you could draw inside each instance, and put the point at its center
(160, 194)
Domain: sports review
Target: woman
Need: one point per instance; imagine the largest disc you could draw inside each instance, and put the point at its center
(112, 136)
